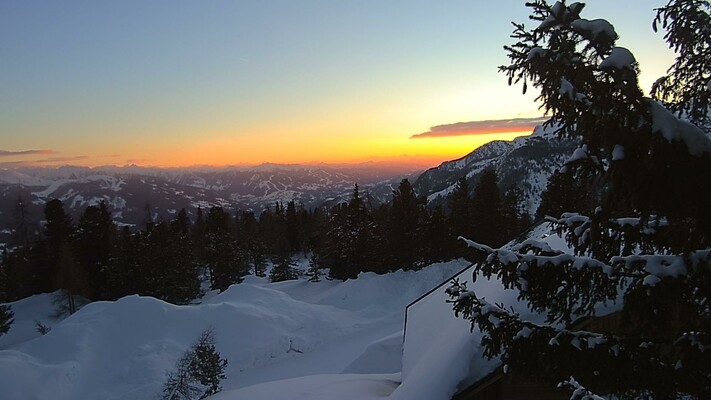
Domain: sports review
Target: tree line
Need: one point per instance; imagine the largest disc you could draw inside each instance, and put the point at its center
(95, 259)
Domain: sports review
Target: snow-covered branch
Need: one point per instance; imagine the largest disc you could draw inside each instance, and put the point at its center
(579, 391)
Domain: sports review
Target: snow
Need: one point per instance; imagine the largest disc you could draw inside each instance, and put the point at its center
(674, 129)
(618, 153)
(293, 339)
(319, 387)
(597, 29)
(286, 340)
(28, 312)
(439, 349)
(15, 177)
(620, 58)
(536, 52)
(567, 89)
(558, 12)
(580, 153)
(657, 266)
(382, 356)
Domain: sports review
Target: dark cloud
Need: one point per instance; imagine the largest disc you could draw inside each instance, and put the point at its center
(8, 153)
(60, 159)
(15, 164)
(482, 127)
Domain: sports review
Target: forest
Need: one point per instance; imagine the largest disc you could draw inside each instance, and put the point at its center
(94, 259)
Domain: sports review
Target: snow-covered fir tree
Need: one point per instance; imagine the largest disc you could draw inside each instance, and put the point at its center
(198, 373)
(283, 268)
(643, 234)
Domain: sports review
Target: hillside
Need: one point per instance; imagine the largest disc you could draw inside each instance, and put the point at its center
(527, 162)
(351, 331)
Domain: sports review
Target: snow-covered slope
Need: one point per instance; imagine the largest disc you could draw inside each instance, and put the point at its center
(268, 332)
(287, 340)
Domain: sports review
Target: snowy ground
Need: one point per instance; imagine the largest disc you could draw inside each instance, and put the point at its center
(289, 340)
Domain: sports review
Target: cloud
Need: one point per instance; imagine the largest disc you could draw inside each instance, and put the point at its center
(51, 160)
(8, 153)
(15, 164)
(60, 159)
(482, 127)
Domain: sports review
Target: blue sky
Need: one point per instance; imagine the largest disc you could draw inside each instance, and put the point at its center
(232, 82)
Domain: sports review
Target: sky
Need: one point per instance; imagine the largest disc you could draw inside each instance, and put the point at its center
(180, 83)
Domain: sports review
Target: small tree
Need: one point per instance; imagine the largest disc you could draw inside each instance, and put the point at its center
(207, 367)
(198, 372)
(282, 268)
(71, 280)
(6, 319)
(314, 272)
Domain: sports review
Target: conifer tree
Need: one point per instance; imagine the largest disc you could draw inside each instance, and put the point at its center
(94, 235)
(646, 239)
(314, 271)
(515, 219)
(282, 268)
(487, 220)
(21, 225)
(71, 280)
(207, 367)
(198, 238)
(198, 372)
(6, 319)
(250, 242)
(686, 89)
(172, 266)
(185, 267)
(349, 239)
(17, 274)
(127, 269)
(460, 205)
(4, 276)
(292, 227)
(405, 233)
(564, 193)
(318, 239)
(57, 231)
(437, 245)
(225, 263)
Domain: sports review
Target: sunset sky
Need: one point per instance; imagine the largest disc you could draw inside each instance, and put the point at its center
(178, 83)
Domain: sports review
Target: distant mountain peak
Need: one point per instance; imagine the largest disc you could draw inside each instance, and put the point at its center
(526, 161)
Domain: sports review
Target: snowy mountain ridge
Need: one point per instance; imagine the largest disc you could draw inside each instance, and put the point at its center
(132, 192)
(527, 162)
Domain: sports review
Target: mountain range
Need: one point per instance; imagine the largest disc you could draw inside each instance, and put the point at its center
(131, 192)
(136, 194)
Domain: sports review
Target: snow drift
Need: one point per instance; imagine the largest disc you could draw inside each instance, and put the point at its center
(268, 332)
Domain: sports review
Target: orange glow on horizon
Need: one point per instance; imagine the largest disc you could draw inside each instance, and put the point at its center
(245, 151)
(260, 150)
